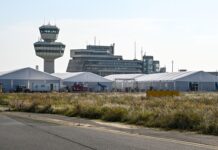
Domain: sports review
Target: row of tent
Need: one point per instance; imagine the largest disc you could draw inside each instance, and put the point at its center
(28, 79)
(180, 81)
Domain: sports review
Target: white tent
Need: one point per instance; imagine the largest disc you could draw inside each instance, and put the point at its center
(92, 81)
(29, 78)
(182, 81)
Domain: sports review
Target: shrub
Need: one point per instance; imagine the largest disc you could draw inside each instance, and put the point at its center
(59, 110)
(30, 107)
(3, 102)
(44, 109)
(73, 111)
(114, 113)
(211, 128)
(92, 112)
(185, 120)
(139, 117)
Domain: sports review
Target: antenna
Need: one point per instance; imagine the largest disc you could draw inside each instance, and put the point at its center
(142, 52)
(172, 65)
(135, 50)
(95, 40)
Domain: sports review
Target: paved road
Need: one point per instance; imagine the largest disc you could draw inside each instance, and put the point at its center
(24, 132)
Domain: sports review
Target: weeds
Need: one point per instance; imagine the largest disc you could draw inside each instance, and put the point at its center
(189, 111)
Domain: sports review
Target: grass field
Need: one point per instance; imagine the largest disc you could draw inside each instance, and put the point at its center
(190, 111)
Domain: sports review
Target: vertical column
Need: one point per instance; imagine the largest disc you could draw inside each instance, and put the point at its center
(49, 65)
(28, 84)
(12, 84)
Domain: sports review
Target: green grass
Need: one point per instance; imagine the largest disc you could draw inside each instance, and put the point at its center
(190, 111)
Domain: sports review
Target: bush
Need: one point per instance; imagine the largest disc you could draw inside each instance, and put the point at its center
(114, 113)
(73, 111)
(92, 112)
(59, 110)
(185, 121)
(212, 128)
(139, 118)
(30, 107)
(3, 102)
(44, 109)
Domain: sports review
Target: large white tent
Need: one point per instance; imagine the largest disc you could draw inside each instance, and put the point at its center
(30, 79)
(92, 81)
(182, 81)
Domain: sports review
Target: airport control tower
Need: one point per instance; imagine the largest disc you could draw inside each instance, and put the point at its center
(47, 48)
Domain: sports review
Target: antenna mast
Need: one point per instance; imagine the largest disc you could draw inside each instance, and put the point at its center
(172, 65)
(135, 50)
(95, 40)
(142, 52)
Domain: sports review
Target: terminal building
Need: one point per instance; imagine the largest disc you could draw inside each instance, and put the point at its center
(102, 61)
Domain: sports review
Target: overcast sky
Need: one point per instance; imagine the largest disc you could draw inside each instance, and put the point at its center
(185, 31)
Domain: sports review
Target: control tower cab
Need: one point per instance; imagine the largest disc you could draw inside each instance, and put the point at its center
(47, 48)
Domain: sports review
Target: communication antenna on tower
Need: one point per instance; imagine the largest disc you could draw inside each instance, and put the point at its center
(172, 65)
(142, 52)
(135, 50)
(95, 40)
(145, 53)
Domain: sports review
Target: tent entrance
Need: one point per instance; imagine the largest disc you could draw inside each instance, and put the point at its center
(51, 87)
(193, 86)
(1, 88)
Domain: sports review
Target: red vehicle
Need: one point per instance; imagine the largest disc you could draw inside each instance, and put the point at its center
(79, 87)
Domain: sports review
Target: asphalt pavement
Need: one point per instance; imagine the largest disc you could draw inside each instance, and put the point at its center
(23, 131)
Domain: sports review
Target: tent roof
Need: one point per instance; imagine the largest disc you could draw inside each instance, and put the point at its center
(27, 74)
(80, 77)
(195, 76)
(114, 77)
(66, 75)
(7, 72)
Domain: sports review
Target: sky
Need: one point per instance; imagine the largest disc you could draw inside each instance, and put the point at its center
(185, 31)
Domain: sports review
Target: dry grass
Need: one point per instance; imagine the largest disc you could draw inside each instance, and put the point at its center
(190, 111)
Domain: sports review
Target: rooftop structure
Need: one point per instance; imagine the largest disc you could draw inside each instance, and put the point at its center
(47, 48)
(102, 61)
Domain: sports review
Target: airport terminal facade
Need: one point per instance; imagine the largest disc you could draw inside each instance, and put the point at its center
(102, 61)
